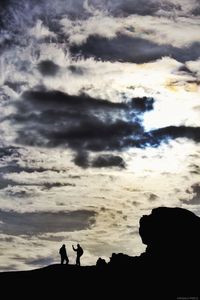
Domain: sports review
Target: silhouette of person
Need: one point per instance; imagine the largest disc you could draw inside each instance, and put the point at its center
(79, 253)
(63, 255)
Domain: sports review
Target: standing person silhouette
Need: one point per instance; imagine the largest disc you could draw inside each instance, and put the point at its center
(63, 255)
(79, 253)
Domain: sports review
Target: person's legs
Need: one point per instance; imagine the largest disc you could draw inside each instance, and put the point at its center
(78, 260)
(62, 260)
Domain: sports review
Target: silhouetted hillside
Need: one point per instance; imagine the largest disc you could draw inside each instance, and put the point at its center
(167, 270)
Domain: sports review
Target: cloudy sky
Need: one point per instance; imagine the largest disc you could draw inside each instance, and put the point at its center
(100, 123)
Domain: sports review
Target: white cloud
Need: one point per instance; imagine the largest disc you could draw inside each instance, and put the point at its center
(80, 30)
(194, 66)
(178, 32)
(40, 31)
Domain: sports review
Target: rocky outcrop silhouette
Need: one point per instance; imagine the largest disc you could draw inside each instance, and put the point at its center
(166, 270)
(171, 235)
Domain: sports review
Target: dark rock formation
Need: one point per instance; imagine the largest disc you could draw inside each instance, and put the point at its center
(172, 235)
(101, 263)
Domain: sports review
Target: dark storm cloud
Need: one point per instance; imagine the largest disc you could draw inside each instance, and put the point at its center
(101, 161)
(173, 132)
(5, 3)
(141, 104)
(104, 161)
(43, 99)
(129, 49)
(195, 189)
(15, 86)
(15, 223)
(77, 70)
(9, 151)
(140, 7)
(81, 159)
(53, 118)
(84, 124)
(94, 134)
(48, 68)
(184, 69)
(3, 6)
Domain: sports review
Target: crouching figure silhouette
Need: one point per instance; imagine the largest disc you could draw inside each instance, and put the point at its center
(63, 255)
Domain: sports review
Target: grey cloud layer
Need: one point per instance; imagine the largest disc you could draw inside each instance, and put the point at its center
(14, 223)
(76, 8)
(141, 7)
(100, 161)
(129, 49)
(9, 151)
(173, 132)
(195, 200)
(14, 167)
